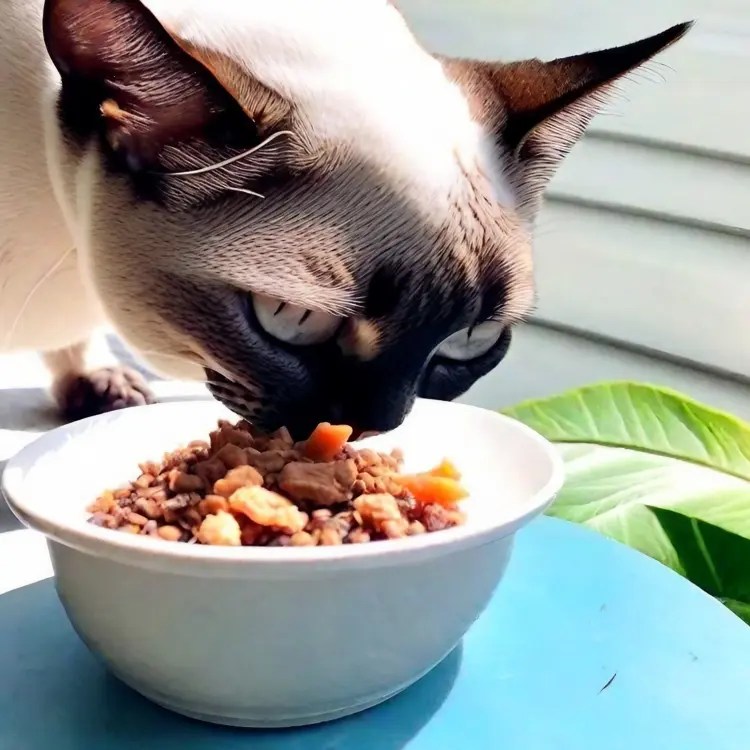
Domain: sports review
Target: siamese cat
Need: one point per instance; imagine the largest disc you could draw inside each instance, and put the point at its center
(291, 200)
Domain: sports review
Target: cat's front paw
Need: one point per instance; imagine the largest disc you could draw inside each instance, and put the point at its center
(102, 390)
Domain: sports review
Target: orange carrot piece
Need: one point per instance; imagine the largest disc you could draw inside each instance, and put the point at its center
(428, 488)
(326, 441)
(447, 469)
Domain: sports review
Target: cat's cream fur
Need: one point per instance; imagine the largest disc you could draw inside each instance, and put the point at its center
(366, 107)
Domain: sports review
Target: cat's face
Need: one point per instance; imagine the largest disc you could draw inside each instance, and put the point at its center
(296, 202)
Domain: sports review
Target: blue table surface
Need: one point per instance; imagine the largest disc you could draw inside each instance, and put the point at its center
(586, 644)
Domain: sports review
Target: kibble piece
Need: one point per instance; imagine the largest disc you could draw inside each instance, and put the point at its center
(330, 536)
(171, 516)
(282, 540)
(358, 536)
(190, 518)
(376, 509)
(144, 480)
(137, 519)
(220, 529)
(181, 501)
(416, 528)
(251, 532)
(213, 504)
(435, 517)
(104, 503)
(395, 528)
(242, 476)
(344, 522)
(156, 492)
(150, 467)
(148, 507)
(268, 509)
(105, 520)
(170, 533)
(130, 528)
(302, 539)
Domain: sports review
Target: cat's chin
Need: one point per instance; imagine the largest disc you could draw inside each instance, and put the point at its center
(248, 405)
(237, 399)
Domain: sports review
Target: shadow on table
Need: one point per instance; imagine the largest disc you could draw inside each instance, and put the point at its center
(27, 409)
(54, 694)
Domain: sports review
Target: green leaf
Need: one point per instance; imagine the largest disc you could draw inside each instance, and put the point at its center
(660, 473)
(643, 418)
(741, 609)
(715, 560)
(606, 489)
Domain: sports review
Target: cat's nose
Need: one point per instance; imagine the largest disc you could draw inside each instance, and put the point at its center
(376, 412)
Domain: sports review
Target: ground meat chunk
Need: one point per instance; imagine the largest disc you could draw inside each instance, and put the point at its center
(268, 462)
(322, 484)
(247, 488)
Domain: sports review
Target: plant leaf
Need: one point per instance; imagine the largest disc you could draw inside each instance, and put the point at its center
(741, 609)
(643, 418)
(712, 558)
(606, 489)
(660, 473)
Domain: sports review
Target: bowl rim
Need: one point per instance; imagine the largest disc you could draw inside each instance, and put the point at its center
(140, 551)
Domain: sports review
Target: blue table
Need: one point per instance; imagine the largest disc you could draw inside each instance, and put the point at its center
(586, 645)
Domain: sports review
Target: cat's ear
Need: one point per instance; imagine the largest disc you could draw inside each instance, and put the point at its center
(122, 71)
(538, 110)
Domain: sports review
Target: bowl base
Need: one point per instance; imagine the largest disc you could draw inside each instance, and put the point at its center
(255, 721)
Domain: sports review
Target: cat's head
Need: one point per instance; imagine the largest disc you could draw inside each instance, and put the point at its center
(294, 200)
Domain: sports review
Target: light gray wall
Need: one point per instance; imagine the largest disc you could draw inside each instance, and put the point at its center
(643, 248)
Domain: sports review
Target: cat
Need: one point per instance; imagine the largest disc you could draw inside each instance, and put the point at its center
(290, 199)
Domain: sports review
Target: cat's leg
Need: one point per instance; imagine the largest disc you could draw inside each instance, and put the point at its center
(47, 307)
(81, 390)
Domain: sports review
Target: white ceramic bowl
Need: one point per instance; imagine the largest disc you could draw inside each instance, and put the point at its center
(275, 637)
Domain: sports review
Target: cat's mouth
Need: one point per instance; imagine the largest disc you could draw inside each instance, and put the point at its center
(242, 401)
(268, 415)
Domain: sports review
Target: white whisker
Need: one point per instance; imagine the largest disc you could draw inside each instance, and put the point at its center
(33, 291)
(230, 160)
(243, 190)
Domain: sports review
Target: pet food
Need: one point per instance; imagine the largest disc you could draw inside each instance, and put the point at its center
(246, 488)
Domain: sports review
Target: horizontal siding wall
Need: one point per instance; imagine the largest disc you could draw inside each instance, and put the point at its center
(693, 94)
(647, 282)
(644, 242)
(543, 362)
(666, 181)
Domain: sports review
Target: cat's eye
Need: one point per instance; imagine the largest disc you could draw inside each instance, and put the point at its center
(470, 343)
(292, 324)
